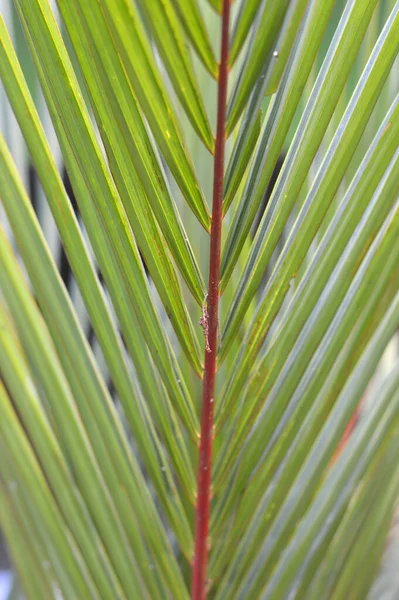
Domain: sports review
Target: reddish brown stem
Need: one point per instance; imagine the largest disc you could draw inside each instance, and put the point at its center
(210, 323)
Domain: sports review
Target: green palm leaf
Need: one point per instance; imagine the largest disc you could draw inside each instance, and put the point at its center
(192, 19)
(129, 39)
(325, 184)
(319, 109)
(286, 99)
(165, 26)
(119, 387)
(266, 30)
(267, 84)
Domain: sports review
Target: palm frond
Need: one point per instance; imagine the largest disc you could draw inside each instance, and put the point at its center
(101, 434)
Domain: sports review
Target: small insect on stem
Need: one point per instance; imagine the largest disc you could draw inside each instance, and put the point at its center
(204, 322)
(275, 54)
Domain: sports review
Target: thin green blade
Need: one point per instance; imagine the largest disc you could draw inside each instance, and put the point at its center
(131, 43)
(192, 19)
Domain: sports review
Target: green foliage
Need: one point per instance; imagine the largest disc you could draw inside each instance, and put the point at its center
(98, 490)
